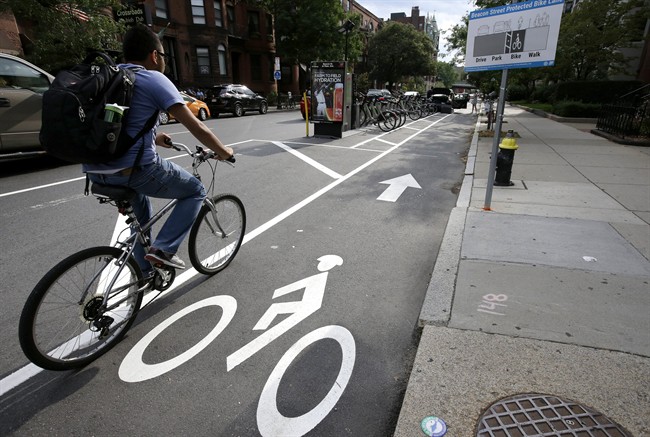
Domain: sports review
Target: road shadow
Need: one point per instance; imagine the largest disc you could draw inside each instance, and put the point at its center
(13, 167)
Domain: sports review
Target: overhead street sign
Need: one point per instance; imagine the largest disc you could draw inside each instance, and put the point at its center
(518, 35)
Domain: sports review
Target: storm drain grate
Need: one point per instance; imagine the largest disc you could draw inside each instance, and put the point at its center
(543, 415)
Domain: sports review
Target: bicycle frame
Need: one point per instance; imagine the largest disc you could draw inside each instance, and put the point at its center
(140, 233)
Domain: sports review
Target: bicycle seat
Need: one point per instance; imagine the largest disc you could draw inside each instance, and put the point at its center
(114, 192)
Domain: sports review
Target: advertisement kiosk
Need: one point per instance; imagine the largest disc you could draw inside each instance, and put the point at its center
(331, 94)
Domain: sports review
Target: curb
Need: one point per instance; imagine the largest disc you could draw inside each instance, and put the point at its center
(436, 307)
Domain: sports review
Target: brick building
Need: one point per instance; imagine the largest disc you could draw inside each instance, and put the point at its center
(214, 42)
(210, 42)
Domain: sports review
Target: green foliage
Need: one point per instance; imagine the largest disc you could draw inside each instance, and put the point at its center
(307, 30)
(272, 98)
(457, 39)
(415, 83)
(570, 108)
(446, 73)
(544, 93)
(591, 37)
(60, 38)
(398, 50)
(363, 81)
(594, 91)
(517, 92)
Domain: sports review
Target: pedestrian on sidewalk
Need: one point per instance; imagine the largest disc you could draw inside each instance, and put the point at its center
(474, 102)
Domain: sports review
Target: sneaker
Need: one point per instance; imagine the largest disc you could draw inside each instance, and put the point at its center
(156, 256)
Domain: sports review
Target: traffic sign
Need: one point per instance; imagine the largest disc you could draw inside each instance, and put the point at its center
(518, 35)
(277, 75)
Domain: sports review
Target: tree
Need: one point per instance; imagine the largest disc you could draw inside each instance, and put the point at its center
(63, 34)
(398, 50)
(458, 40)
(307, 30)
(446, 73)
(591, 38)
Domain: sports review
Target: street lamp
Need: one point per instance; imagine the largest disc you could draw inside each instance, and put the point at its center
(346, 28)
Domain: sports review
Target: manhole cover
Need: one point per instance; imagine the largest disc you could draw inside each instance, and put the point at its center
(543, 415)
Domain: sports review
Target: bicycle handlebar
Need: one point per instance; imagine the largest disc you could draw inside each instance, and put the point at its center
(200, 153)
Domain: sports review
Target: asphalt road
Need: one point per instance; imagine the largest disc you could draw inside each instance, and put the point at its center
(311, 330)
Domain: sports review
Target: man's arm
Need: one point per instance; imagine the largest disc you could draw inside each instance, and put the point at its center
(196, 127)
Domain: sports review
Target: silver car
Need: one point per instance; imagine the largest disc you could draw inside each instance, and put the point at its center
(22, 85)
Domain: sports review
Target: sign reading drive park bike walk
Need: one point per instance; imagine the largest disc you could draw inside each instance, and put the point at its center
(518, 35)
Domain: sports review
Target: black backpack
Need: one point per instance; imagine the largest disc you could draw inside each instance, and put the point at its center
(73, 127)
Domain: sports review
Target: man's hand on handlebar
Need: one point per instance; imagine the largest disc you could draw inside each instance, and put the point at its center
(229, 157)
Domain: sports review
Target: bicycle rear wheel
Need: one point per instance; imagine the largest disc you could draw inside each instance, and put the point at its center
(387, 121)
(215, 238)
(64, 325)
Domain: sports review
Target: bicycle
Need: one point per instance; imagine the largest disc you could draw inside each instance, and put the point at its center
(286, 102)
(86, 303)
(372, 112)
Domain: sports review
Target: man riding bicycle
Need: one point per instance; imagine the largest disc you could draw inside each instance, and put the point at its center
(141, 168)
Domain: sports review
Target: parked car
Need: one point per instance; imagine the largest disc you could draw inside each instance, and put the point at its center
(443, 99)
(22, 85)
(302, 104)
(382, 94)
(461, 100)
(199, 109)
(235, 99)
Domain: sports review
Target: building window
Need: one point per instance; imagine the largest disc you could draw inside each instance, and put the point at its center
(230, 11)
(198, 12)
(223, 71)
(203, 59)
(254, 23)
(171, 70)
(161, 8)
(269, 24)
(218, 14)
(256, 67)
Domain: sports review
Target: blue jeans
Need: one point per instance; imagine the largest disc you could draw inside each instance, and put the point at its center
(165, 180)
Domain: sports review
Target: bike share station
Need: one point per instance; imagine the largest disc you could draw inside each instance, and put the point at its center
(519, 35)
(331, 102)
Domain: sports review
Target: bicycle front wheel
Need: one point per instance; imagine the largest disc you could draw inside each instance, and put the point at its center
(65, 324)
(217, 235)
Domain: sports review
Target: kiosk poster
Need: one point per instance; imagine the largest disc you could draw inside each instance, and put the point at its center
(518, 35)
(327, 79)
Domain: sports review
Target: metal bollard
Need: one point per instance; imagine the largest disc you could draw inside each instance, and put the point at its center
(505, 157)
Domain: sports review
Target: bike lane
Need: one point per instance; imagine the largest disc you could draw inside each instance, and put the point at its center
(364, 308)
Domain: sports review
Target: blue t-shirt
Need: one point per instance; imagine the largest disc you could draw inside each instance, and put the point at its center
(153, 92)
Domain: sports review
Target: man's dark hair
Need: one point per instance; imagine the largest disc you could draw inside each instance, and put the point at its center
(138, 42)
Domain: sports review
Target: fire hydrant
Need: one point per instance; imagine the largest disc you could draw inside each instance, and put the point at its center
(505, 157)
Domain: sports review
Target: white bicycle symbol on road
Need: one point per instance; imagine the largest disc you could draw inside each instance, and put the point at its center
(270, 421)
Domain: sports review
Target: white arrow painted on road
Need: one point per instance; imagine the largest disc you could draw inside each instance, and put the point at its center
(397, 186)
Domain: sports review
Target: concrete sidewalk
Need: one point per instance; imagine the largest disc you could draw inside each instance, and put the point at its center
(545, 297)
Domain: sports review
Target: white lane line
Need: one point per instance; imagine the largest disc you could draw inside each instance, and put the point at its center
(384, 141)
(317, 165)
(39, 187)
(11, 193)
(333, 146)
(20, 376)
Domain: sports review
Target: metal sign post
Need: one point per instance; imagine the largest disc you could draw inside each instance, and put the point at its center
(518, 35)
(495, 143)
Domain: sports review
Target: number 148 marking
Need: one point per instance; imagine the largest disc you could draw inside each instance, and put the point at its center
(491, 302)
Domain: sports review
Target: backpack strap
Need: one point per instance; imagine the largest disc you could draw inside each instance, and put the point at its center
(147, 127)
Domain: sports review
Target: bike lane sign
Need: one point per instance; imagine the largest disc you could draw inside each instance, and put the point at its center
(518, 35)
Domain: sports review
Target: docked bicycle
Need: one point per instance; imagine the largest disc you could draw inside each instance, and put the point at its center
(87, 302)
